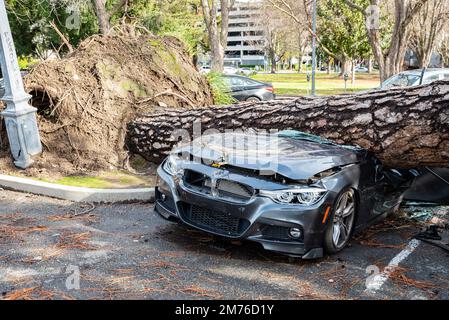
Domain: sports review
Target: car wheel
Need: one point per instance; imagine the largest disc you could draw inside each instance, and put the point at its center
(253, 99)
(341, 224)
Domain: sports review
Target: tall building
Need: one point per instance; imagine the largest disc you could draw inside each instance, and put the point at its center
(245, 36)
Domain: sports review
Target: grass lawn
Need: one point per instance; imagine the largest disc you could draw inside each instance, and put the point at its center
(105, 180)
(327, 84)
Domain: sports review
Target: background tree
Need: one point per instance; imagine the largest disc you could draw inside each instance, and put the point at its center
(216, 17)
(388, 27)
(342, 32)
(427, 30)
(302, 43)
(279, 35)
(35, 25)
(297, 27)
(42, 28)
(179, 18)
(105, 11)
(338, 33)
(443, 47)
(389, 42)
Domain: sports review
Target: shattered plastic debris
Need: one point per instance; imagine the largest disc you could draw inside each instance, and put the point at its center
(421, 216)
(425, 212)
(432, 236)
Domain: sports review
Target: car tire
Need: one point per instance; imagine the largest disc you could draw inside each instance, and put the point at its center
(341, 223)
(253, 99)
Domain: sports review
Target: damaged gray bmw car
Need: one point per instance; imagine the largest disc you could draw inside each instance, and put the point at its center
(291, 192)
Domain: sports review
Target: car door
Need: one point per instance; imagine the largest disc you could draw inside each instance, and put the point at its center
(432, 185)
(237, 86)
(371, 188)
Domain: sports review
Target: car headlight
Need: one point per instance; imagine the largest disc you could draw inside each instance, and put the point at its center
(173, 166)
(306, 196)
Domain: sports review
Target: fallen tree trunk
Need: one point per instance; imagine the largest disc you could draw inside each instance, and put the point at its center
(404, 127)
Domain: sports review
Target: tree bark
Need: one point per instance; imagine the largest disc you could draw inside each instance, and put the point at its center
(345, 66)
(404, 127)
(353, 63)
(370, 65)
(273, 61)
(102, 16)
(218, 33)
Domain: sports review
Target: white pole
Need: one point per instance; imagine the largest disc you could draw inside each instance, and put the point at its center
(20, 117)
(314, 56)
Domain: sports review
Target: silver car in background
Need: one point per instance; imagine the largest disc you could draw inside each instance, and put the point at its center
(415, 78)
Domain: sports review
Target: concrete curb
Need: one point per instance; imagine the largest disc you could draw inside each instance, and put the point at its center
(76, 194)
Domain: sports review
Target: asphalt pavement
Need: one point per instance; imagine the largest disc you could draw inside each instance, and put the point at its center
(53, 249)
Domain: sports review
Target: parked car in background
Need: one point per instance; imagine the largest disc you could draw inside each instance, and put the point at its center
(303, 197)
(413, 78)
(230, 71)
(246, 89)
(246, 72)
(361, 69)
(204, 69)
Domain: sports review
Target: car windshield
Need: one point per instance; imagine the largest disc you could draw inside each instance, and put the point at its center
(298, 135)
(401, 80)
(239, 82)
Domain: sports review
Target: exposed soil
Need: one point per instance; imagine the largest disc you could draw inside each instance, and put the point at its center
(85, 100)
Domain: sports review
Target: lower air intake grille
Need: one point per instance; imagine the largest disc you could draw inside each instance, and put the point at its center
(277, 233)
(215, 221)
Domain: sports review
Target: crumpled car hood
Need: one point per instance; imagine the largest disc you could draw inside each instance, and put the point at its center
(292, 158)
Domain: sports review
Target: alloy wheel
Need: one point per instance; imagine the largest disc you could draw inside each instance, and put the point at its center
(253, 99)
(343, 219)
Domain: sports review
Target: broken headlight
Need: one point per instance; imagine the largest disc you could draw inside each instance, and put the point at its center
(173, 166)
(306, 196)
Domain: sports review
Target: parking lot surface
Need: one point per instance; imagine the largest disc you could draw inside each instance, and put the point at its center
(53, 249)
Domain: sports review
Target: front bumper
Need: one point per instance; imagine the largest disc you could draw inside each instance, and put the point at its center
(260, 220)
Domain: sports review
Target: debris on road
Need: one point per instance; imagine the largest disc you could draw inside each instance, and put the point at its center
(176, 264)
(425, 213)
(432, 236)
(70, 240)
(399, 276)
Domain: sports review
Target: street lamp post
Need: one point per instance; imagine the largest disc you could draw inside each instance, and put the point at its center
(314, 58)
(20, 117)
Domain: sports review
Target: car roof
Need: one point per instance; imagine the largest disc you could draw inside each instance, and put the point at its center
(243, 77)
(430, 70)
(235, 76)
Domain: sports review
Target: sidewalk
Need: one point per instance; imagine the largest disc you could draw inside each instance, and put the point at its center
(76, 194)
